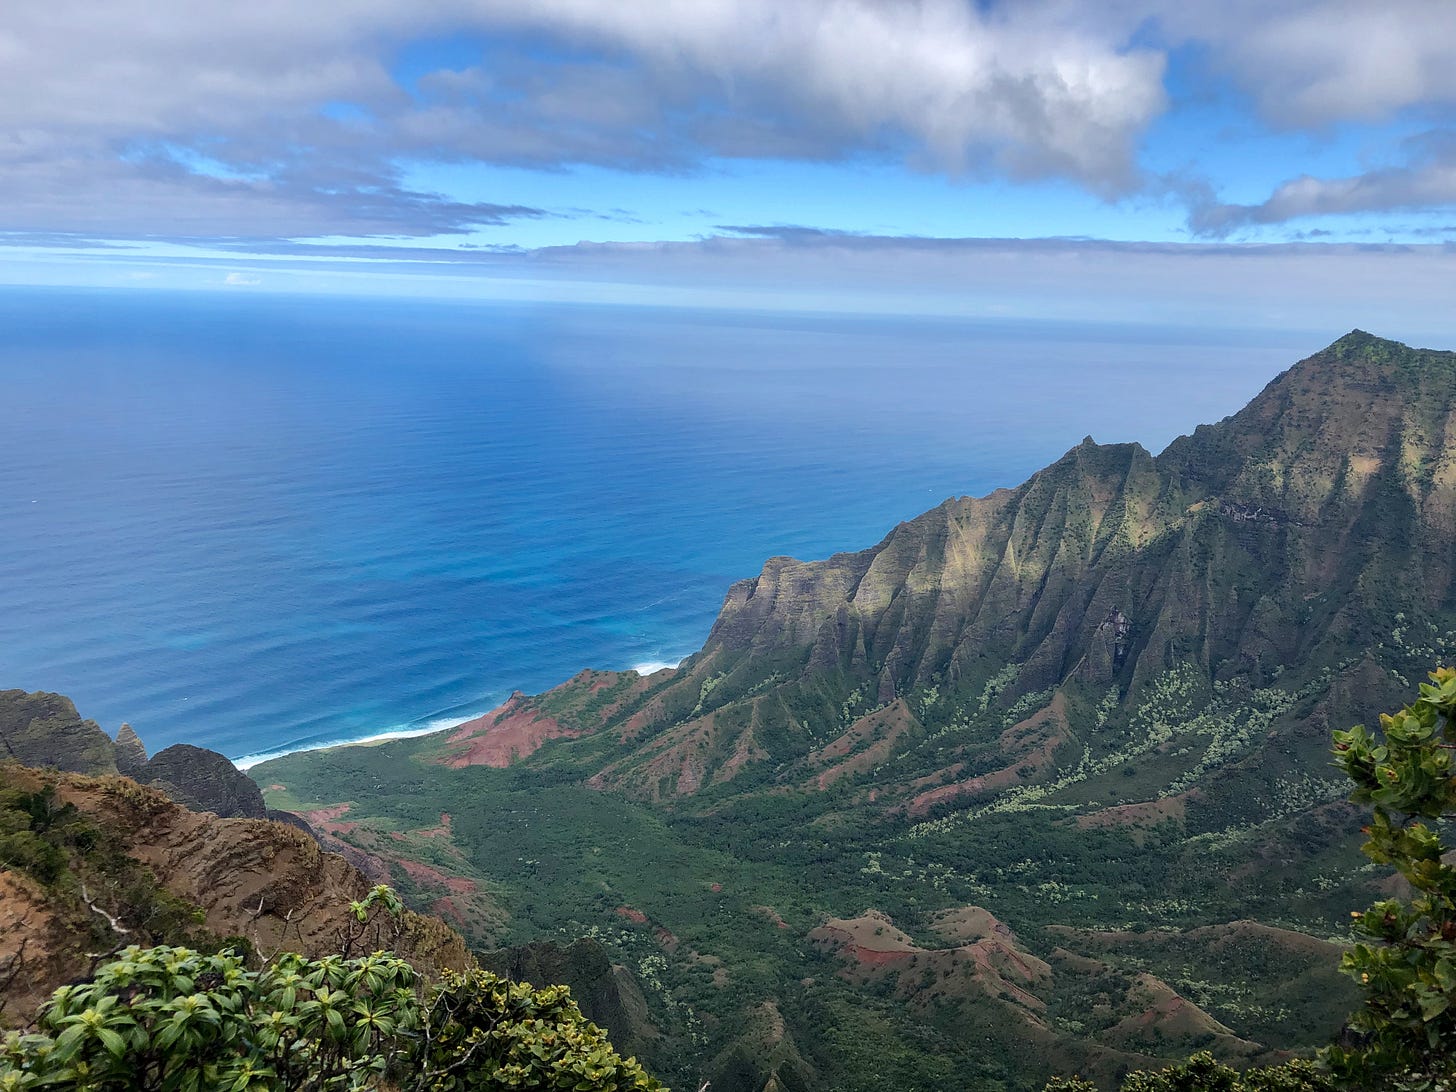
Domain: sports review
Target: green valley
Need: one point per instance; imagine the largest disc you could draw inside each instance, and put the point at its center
(1039, 784)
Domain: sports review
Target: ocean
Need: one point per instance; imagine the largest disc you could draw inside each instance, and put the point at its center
(261, 523)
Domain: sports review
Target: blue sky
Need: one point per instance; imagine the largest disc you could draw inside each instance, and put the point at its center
(595, 149)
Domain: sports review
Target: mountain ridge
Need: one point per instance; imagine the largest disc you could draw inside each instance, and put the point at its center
(1095, 706)
(1040, 572)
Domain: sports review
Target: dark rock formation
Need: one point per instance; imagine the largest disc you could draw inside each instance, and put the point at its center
(204, 780)
(45, 730)
(131, 754)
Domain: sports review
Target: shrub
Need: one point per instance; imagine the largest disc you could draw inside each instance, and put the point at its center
(174, 1020)
(1405, 958)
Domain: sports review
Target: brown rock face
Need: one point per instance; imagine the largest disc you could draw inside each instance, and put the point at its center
(266, 882)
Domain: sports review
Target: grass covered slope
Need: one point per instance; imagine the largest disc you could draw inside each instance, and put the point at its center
(1094, 709)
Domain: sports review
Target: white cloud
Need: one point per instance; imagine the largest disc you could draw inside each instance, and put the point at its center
(1428, 185)
(211, 118)
(1320, 62)
(241, 279)
(166, 99)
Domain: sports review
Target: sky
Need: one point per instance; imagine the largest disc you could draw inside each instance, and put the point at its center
(1272, 160)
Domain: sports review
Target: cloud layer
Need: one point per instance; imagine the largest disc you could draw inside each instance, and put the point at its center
(278, 119)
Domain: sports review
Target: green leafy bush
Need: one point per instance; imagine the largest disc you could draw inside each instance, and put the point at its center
(171, 1019)
(483, 1031)
(174, 1020)
(1405, 959)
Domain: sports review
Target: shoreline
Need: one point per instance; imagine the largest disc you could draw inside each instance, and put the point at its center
(443, 724)
(247, 762)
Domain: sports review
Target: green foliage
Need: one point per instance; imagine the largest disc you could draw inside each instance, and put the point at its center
(36, 830)
(175, 1020)
(88, 879)
(1203, 1073)
(1405, 958)
(484, 1031)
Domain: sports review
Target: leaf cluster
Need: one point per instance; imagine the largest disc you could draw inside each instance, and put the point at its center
(484, 1031)
(175, 1020)
(1405, 954)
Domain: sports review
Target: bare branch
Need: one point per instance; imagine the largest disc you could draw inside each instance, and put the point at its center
(116, 926)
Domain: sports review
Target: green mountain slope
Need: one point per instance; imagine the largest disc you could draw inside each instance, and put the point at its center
(1093, 710)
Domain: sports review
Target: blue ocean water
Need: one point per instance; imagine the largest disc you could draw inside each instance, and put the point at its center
(259, 523)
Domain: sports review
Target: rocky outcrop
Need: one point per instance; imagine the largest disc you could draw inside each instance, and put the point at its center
(266, 884)
(43, 729)
(131, 753)
(204, 780)
(1284, 536)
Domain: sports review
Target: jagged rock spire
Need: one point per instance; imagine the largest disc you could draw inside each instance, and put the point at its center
(131, 753)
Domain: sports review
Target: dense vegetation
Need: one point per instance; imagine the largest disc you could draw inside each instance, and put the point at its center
(172, 1019)
(177, 1020)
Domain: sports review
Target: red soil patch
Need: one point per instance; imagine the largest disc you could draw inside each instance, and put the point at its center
(1032, 743)
(326, 815)
(857, 749)
(1147, 813)
(442, 831)
(995, 966)
(772, 915)
(868, 957)
(503, 735)
(631, 913)
(275, 787)
(426, 875)
(326, 819)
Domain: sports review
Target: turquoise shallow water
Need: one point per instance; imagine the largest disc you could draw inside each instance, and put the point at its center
(258, 523)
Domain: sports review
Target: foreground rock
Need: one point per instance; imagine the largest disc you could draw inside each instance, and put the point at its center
(142, 869)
